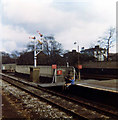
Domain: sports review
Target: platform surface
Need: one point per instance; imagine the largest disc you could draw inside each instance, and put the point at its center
(108, 85)
(54, 84)
(51, 84)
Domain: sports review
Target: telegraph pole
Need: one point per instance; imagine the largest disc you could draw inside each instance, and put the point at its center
(78, 62)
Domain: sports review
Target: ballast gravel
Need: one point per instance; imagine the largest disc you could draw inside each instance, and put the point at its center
(30, 106)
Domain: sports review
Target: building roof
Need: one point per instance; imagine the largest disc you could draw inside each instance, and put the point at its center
(93, 49)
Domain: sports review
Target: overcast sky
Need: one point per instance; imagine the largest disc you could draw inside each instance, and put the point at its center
(83, 21)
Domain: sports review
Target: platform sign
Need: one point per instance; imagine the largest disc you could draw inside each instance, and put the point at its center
(59, 72)
(54, 66)
(79, 66)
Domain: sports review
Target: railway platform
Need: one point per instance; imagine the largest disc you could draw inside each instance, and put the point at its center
(106, 85)
(103, 91)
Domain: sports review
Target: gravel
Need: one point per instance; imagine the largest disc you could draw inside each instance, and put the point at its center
(30, 106)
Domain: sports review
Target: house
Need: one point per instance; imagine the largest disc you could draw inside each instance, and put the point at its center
(97, 52)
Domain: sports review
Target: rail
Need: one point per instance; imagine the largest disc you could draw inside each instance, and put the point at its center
(79, 109)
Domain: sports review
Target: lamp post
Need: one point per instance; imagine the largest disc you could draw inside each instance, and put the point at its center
(78, 62)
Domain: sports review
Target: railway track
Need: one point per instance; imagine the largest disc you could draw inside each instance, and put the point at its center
(77, 108)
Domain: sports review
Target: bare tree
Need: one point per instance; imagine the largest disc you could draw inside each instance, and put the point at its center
(30, 46)
(52, 48)
(107, 41)
(15, 54)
